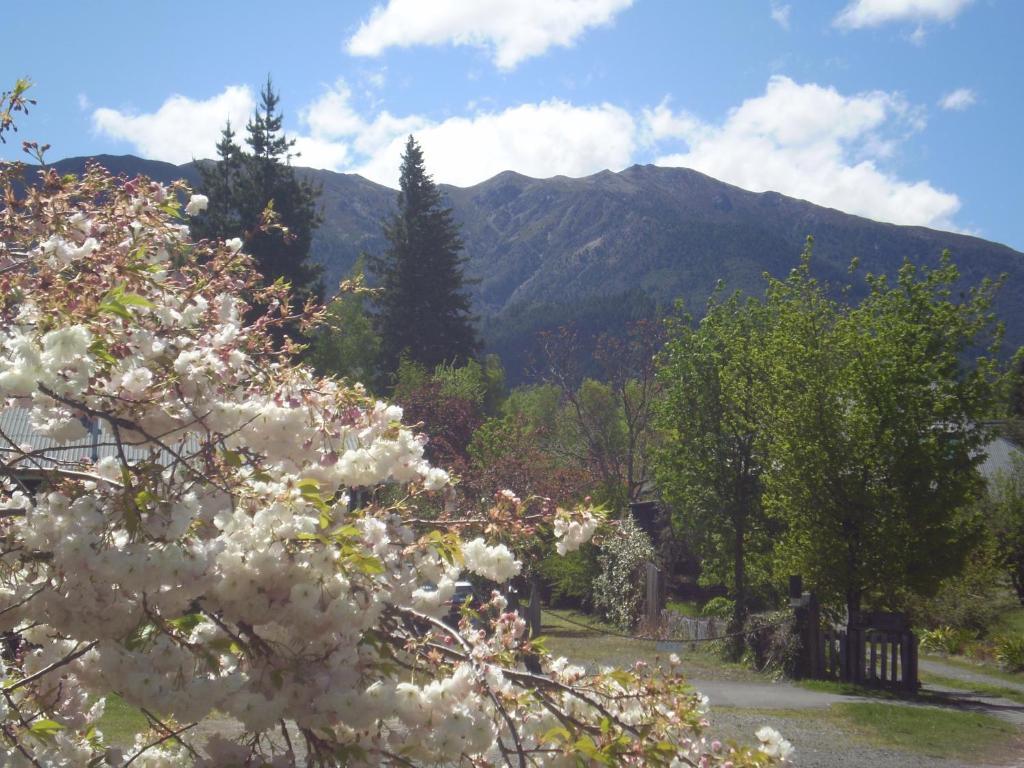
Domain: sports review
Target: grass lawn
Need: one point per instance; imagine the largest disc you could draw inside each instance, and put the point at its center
(979, 667)
(942, 733)
(590, 647)
(684, 607)
(928, 730)
(987, 689)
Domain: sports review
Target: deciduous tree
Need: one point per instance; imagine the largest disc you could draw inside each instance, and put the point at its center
(713, 416)
(876, 429)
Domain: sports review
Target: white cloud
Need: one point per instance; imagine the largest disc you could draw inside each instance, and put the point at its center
(513, 31)
(958, 100)
(871, 13)
(182, 128)
(811, 142)
(803, 140)
(83, 102)
(780, 14)
(542, 139)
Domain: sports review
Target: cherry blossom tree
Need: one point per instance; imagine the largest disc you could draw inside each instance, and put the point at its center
(211, 559)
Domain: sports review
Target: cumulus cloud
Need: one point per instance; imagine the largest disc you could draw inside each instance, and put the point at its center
(512, 31)
(958, 100)
(804, 140)
(542, 139)
(810, 142)
(780, 14)
(182, 128)
(871, 13)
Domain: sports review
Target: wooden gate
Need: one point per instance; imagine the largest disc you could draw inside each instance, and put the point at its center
(878, 650)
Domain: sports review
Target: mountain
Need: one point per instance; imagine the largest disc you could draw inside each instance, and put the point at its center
(613, 246)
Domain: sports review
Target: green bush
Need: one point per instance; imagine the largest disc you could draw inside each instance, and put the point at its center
(570, 577)
(718, 608)
(952, 641)
(619, 587)
(1010, 652)
(975, 600)
(773, 644)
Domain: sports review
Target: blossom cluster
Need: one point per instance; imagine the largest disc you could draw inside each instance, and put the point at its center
(212, 557)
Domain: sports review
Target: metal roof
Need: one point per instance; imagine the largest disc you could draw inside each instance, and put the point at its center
(16, 431)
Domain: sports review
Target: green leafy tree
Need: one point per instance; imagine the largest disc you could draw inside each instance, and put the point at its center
(255, 195)
(876, 430)
(1006, 519)
(347, 343)
(423, 309)
(713, 417)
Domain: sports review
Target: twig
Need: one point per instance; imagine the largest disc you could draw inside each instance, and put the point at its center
(48, 669)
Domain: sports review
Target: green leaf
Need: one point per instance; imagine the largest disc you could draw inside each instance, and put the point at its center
(186, 623)
(232, 458)
(48, 728)
(558, 733)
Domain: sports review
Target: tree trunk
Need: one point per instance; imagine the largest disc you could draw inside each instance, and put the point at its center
(737, 644)
(534, 612)
(853, 596)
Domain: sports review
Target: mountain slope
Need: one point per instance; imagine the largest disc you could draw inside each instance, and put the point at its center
(611, 246)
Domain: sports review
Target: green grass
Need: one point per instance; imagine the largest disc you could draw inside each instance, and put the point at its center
(927, 730)
(986, 689)
(978, 667)
(947, 733)
(684, 608)
(590, 647)
(121, 721)
(1011, 623)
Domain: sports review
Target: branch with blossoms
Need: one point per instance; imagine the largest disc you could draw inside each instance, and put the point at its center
(212, 558)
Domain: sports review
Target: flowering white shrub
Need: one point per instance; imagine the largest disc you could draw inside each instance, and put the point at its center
(619, 588)
(224, 570)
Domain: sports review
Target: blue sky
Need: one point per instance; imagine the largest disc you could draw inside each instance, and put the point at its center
(902, 110)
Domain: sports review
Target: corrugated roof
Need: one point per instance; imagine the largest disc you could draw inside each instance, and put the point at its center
(999, 455)
(16, 431)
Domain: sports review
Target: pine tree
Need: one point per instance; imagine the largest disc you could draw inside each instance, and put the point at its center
(424, 310)
(241, 185)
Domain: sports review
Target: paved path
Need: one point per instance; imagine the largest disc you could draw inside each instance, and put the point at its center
(936, 667)
(727, 693)
(977, 701)
(820, 744)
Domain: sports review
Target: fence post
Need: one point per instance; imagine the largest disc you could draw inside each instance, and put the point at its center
(910, 670)
(533, 612)
(807, 620)
(653, 605)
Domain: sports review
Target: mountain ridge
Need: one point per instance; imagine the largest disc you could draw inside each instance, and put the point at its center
(542, 251)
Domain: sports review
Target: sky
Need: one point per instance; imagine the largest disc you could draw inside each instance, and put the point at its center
(907, 111)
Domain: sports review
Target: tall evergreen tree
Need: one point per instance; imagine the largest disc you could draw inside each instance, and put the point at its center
(242, 185)
(423, 310)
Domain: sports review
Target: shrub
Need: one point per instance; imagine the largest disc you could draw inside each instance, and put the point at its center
(1010, 652)
(619, 588)
(773, 645)
(952, 641)
(718, 608)
(975, 599)
(570, 578)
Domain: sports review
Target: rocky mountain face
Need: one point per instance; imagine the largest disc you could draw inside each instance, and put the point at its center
(613, 246)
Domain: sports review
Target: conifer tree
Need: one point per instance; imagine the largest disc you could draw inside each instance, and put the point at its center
(242, 184)
(423, 309)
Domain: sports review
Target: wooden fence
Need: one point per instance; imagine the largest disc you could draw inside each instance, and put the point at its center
(878, 650)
